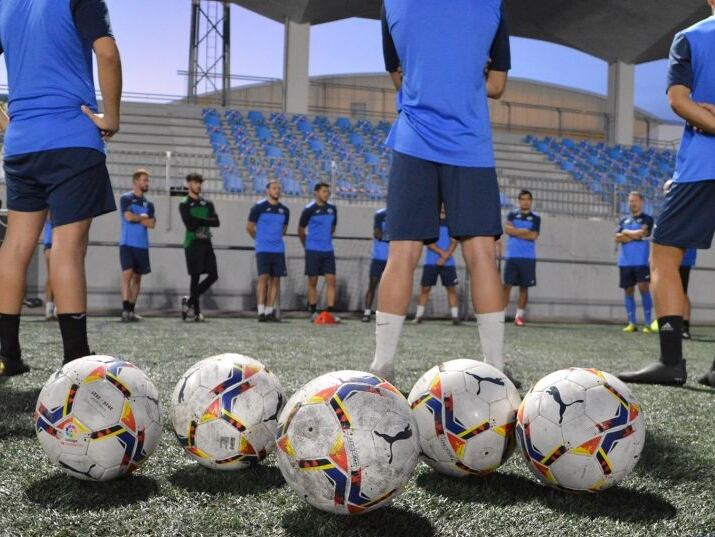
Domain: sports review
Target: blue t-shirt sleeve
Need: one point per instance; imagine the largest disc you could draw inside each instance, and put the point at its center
(537, 224)
(500, 52)
(510, 217)
(254, 214)
(377, 222)
(335, 220)
(287, 213)
(648, 221)
(125, 203)
(680, 67)
(389, 51)
(91, 17)
(150, 210)
(304, 218)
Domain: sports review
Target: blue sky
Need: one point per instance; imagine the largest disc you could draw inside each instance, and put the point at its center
(154, 41)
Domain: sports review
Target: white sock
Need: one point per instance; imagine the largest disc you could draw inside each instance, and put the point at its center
(520, 312)
(269, 310)
(261, 309)
(420, 311)
(491, 337)
(367, 312)
(50, 308)
(388, 328)
(455, 313)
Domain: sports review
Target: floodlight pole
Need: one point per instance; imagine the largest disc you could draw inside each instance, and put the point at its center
(210, 49)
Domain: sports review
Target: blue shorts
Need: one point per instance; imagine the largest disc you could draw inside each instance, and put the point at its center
(271, 263)
(687, 219)
(72, 183)
(430, 273)
(377, 267)
(520, 272)
(418, 187)
(319, 263)
(630, 276)
(135, 259)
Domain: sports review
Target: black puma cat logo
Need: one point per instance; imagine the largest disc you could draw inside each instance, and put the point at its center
(497, 381)
(279, 407)
(402, 435)
(553, 391)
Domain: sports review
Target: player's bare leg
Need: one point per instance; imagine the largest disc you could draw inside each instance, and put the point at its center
(521, 306)
(50, 312)
(453, 301)
(127, 282)
(487, 297)
(422, 303)
(370, 298)
(313, 295)
(392, 303)
(274, 287)
(647, 303)
(331, 284)
(23, 230)
(261, 296)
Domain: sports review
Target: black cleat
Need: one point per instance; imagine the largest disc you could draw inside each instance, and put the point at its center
(185, 307)
(708, 379)
(10, 368)
(657, 373)
(456, 321)
(199, 318)
(366, 318)
(262, 318)
(273, 318)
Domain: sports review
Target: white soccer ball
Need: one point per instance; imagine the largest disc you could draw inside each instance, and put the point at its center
(347, 442)
(224, 411)
(98, 418)
(580, 430)
(465, 412)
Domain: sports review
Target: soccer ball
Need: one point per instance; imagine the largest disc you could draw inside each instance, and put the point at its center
(347, 442)
(465, 412)
(580, 430)
(225, 411)
(98, 418)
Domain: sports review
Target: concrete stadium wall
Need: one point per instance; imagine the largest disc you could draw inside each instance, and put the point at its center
(577, 275)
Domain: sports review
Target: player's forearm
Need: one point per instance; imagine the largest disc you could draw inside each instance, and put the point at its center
(109, 69)
(696, 115)
(397, 79)
(301, 236)
(149, 223)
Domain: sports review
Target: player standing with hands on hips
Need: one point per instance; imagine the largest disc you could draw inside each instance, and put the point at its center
(54, 155)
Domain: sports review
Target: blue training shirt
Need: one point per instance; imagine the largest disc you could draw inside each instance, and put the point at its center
(380, 249)
(320, 220)
(47, 234)
(516, 247)
(270, 221)
(48, 53)
(691, 255)
(444, 242)
(134, 234)
(443, 49)
(692, 64)
(635, 253)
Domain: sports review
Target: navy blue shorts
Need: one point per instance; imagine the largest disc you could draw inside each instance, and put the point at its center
(319, 263)
(377, 267)
(430, 273)
(520, 272)
(418, 187)
(72, 183)
(630, 276)
(687, 219)
(135, 259)
(271, 263)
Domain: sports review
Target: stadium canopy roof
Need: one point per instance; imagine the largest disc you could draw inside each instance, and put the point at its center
(633, 31)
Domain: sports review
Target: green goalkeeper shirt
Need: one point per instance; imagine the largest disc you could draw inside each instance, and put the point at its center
(198, 215)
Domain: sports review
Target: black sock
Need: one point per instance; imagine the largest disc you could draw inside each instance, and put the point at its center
(686, 325)
(131, 306)
(671, 341)
(313, 308)
(10, 336)
(74, 335)
(329, 309)
(125, 305)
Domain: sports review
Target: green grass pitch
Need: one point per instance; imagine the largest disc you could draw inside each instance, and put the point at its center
(672, 491)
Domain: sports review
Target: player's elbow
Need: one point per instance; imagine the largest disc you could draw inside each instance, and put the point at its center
(105, 48)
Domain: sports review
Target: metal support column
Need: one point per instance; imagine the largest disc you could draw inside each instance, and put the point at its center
(210, 50)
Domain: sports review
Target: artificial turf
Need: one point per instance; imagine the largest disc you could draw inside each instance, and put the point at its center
(671, 492)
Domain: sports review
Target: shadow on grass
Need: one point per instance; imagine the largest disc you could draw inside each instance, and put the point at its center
(64, 492)
(16, 418)
(391, 521)
(499, 489)
(663, 457)
(196, 478)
